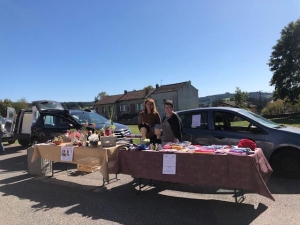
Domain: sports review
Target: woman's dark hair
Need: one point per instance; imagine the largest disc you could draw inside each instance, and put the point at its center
(170, 103)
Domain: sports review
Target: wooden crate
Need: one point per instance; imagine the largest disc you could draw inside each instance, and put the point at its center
(89, 161)
(88, 169)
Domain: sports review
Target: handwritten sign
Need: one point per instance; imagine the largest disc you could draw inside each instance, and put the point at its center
(169, 164)
(66, 153)
(196, 120)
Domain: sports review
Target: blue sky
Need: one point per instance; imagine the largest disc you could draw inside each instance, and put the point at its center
(72, 50)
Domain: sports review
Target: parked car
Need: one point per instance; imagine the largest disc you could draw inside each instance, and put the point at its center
(47, 119)
(227, 126)
(8, 124)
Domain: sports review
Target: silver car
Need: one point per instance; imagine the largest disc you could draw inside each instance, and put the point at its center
(227, 126)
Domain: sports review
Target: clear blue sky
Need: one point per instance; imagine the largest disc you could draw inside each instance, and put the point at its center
(70, 50)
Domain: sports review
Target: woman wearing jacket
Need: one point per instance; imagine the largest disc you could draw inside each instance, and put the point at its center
(171, 127)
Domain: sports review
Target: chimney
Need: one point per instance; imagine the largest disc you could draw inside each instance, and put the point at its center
(125, 92)
(156, 86)
(146, 91)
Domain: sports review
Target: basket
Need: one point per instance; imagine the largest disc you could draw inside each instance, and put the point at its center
(109, 141)
(58, 142)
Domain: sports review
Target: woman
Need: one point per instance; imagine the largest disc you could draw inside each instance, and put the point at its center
(171, 128)
(148, 118)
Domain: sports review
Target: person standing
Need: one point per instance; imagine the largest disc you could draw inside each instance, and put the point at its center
(148, 118)
(2, 131)
(171, 127)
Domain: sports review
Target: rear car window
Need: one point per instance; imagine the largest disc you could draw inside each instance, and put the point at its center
(196, 120)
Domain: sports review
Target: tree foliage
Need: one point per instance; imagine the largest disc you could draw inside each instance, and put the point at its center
(284, 63)
(149, 87)
(241, 98)
(274, 108)
(19, 104)
(100, 95)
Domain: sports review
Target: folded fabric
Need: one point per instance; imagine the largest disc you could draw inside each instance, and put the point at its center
(242, 150)
(205, 150)
(237, 153)
(146, 125)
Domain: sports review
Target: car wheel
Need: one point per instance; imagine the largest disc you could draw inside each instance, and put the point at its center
(286, 163)
(23, 143)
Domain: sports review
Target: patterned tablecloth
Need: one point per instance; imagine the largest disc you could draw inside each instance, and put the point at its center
(222, 171)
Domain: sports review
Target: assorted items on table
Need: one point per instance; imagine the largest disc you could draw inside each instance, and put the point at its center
(186, 147)
(193, 164)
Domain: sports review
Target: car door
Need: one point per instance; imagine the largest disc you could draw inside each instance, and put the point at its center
(9, 122)
(195, 127)
(230, 127)
(52, 126)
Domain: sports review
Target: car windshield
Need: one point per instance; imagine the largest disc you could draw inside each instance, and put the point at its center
(90, 117)
(259, 119)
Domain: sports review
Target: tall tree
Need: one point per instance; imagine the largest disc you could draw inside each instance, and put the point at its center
(284, 63)
(100, 95)
(240, 98)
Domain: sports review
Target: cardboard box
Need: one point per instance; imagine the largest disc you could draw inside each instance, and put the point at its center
(89, 161)
(108, 141)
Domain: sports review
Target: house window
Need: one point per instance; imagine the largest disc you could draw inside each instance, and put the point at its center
(122, 108)
(103, 110)
(139, 106)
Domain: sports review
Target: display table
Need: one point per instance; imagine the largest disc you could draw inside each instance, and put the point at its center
(53, 153)
(221, 171)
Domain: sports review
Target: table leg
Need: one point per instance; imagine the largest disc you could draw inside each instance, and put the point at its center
(104, 181)
(242, 197)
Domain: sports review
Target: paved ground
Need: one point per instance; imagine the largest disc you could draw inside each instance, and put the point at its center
(74, 198)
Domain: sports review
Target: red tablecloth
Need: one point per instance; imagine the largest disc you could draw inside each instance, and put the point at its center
(224, 171)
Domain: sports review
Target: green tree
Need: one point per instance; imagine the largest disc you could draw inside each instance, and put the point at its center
(241, 98)
(100, 95)
(274, 108)
(149, 87)
(20, 104)
(3, 106)
(216, 102)
(284, 63)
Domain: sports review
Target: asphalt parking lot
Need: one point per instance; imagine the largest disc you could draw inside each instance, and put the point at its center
(70, 197)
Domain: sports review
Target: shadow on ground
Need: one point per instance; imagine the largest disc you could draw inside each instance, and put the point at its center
(122, 205)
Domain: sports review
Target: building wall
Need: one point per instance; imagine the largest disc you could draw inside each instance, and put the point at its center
(187, 97)
(160, 98)
(104, 110)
